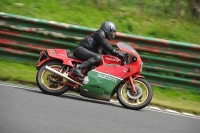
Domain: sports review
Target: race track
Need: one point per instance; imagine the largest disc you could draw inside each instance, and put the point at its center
(30, 111)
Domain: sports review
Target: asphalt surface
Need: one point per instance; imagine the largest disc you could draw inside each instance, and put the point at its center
(30, 111)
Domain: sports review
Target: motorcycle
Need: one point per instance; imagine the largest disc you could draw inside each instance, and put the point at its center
(112, 76)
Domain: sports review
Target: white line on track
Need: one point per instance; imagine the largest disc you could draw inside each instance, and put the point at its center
(151, 108)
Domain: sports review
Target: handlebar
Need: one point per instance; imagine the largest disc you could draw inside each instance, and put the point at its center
(127, 59)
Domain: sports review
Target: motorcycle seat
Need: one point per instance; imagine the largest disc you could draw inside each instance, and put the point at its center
(70, 55)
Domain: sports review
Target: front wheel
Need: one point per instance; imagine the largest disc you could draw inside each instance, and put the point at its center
(138, 100)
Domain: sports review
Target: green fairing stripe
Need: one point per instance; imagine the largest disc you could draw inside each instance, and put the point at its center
(107, 74)
(100, 85)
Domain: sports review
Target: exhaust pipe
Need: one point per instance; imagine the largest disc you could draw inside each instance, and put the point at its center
(61, 75)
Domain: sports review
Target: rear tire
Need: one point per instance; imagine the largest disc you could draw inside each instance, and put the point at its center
(135, 101)
(46, 84)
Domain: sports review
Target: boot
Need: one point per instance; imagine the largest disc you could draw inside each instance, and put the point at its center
(79, 69)
(86, 64)
(77, 72)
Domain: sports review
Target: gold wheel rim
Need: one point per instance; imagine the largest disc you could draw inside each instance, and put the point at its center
(47, 83)
(137, 101)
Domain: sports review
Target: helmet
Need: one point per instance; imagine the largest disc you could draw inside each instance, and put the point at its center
(109, 28)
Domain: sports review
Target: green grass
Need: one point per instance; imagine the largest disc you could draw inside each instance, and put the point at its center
(16, 72)
(180, 100)
(128, 18)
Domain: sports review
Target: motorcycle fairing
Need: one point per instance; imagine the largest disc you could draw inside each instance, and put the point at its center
(122, 72)
(100, 85)
(62, 55)
(109, 60)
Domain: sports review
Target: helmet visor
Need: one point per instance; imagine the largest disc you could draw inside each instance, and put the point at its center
(113, 34)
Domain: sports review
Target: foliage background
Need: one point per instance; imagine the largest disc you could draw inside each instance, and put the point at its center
(167, 19)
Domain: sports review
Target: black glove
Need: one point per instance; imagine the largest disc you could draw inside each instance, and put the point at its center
(120, 55)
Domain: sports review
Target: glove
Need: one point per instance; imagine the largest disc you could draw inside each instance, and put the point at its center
(120, 55)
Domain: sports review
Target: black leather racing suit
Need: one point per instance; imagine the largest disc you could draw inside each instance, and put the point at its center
(91, 49)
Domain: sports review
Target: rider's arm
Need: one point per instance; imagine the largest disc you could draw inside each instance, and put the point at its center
(101, 39)
(105, 52)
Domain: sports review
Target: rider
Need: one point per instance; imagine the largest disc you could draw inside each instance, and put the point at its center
(94, 45)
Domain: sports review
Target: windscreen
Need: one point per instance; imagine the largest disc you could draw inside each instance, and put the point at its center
(123, 46)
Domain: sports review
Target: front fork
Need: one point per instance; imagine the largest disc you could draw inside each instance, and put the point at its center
(131, 82)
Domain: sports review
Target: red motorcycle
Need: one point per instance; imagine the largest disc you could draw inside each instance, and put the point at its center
(112, 76)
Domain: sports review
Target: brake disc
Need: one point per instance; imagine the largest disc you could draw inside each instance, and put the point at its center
(134, 95)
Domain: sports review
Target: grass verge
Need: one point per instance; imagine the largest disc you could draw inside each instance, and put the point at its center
(180, 100)
(128, 17)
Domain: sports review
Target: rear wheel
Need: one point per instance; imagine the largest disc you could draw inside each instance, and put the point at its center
(137, 100)
(50, 83)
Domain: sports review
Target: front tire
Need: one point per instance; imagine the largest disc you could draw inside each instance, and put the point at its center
(50, 83)
(138, 100)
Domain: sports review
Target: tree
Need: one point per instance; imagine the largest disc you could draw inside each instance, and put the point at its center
(195, 8)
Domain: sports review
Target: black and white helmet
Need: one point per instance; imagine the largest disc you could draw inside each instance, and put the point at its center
(109, 28)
